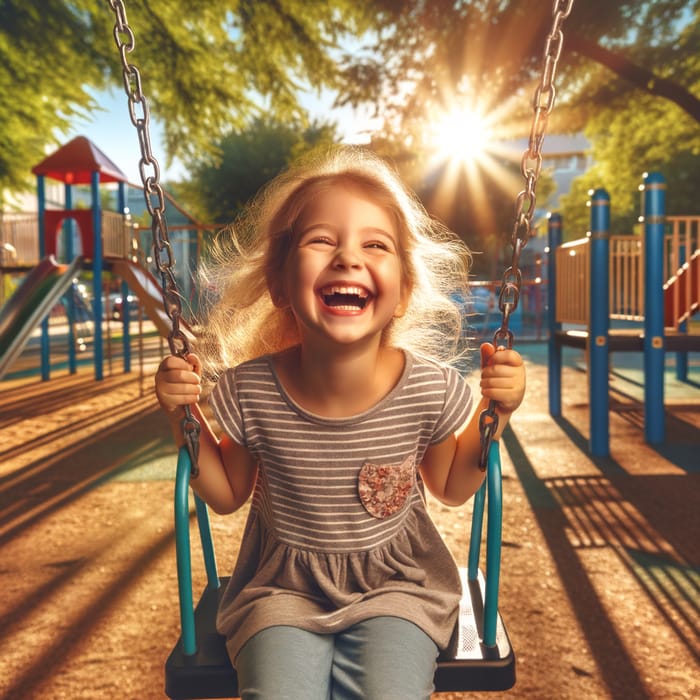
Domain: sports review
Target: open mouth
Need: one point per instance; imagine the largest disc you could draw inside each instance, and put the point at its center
(345, 298)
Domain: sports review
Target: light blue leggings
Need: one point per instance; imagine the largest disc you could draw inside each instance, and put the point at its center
(384, 658)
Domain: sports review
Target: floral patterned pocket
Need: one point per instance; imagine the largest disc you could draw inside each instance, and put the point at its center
(384, 488)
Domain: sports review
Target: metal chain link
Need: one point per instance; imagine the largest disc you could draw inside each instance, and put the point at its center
(155, 203)
(530, 167)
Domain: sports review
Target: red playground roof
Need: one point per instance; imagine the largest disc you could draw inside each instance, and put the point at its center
(75, 162)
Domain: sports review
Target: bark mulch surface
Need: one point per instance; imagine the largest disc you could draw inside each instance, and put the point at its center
(599, 584)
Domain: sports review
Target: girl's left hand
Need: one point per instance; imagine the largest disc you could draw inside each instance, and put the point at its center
(502, 377)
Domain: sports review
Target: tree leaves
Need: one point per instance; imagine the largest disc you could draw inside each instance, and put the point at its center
(219, 186)
(207, 66)
(215, 67)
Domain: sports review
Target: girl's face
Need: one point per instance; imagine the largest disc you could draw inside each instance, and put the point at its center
(342, 278)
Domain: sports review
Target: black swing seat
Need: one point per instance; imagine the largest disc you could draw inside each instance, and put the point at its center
(469, 665)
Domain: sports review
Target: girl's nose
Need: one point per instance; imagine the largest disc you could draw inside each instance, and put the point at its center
(346, 258)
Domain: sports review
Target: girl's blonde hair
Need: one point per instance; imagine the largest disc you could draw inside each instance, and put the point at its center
(248, 258)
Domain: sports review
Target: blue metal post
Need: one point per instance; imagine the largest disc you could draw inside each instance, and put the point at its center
(126, 311)
(554, 236)
(41, 203)
(97, 306)
(654, 353)
(599, 324)
(68, 230)
(45, 339)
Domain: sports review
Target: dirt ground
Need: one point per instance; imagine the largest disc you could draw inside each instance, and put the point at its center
(599, 585)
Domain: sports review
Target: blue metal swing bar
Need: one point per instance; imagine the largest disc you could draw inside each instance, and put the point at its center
(481, 657)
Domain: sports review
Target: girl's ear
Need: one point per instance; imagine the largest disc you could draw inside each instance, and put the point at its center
(276, 274)
(278, 293)
(403, 301)
(274, 290)
(279, 298)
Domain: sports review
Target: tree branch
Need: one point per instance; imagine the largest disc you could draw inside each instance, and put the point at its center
(637, 75)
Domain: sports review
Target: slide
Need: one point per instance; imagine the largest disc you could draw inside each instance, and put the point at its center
(149, 292)
(40, 291)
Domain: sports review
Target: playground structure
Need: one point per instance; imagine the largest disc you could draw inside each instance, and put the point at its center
(52, 247)
(649, 285)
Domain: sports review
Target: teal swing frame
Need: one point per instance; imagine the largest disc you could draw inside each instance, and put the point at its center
(481, 656)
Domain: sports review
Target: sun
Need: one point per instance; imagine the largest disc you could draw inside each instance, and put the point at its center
(462, 134)
(467, 157)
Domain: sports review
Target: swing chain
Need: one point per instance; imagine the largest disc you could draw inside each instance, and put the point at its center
(155, 203)
(530, 167)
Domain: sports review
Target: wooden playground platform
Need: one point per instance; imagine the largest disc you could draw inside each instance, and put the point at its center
(600, 568)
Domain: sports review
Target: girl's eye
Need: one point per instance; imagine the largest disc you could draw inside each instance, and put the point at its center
(377, 245)
(316, 240)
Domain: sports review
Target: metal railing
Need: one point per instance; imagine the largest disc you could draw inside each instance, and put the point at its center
(574, 275)
(20, 232)
(19, 238)
(573, 282)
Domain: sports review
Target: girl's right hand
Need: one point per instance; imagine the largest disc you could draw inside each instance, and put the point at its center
(178, 382)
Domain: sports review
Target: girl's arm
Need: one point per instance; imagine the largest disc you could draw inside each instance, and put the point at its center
(450, 469)
(227, 470)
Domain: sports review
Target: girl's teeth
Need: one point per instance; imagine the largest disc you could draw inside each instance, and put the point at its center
(345, 290)
(345, 298)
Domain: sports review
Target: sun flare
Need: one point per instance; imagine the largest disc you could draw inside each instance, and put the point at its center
(463, 135)
(468, 157)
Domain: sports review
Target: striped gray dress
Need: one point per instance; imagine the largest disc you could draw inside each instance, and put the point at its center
(338, 530)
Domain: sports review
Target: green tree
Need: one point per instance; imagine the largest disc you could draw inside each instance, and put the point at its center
(219, 186)
(49, 57)
(629, 75)
(636, 126)
(207, 66)
(210, 66)
(427, 56)
(631, 138)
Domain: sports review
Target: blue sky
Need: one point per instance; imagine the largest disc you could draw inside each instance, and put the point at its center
(113, 133)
